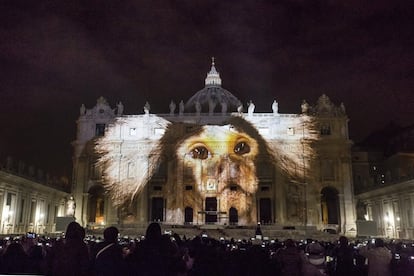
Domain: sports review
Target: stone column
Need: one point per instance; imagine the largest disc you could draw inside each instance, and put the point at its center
(279, 199)
(143, 206)
(111, 216)
(349, 218)
(84, 217)
(179, 190)
(3, 219)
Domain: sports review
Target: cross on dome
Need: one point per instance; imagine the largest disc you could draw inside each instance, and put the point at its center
(213, 77)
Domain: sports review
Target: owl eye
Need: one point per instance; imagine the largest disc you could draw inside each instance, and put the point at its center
(241, 148)
(199, 153)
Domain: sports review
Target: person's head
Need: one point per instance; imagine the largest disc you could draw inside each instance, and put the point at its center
(343, 241)
(315, 249)
(153, 231)
(290, 243)
(379, 242)
(74, 231)
(14, 249)
(111, 234)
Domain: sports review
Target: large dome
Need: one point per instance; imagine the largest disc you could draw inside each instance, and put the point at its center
(213, 96)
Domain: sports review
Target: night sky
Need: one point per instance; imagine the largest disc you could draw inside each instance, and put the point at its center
(56, 55)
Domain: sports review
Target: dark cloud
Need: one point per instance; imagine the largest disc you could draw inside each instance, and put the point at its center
(55, 56)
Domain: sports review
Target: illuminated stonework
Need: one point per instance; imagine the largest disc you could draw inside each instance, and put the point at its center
(217, 166)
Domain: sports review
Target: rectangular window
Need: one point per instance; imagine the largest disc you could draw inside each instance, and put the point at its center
(9, 199)
(33, 212)
(325, 130)
(47, 213)
(21, 211)
(100, 130)
(410, 215)
(56, 213)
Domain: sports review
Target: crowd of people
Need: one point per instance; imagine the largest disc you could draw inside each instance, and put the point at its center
(161, 254)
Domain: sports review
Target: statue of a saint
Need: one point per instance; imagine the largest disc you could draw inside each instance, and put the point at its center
(82, 110)
(147, 108)
(250, 108)
(172, 107)
(120, 108)
(305, 106)
(275, 107)
(181, 108)
(70, 207)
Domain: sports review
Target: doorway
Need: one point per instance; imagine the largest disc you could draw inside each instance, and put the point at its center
(157, 209)
(211, 210)
(265, 211)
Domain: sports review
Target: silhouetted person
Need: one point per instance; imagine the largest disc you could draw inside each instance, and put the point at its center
(36, 260)
(70, 256)
(153, 255)
(344, 258)
(289, 259)
(314, 263)
(258, 232)
(379, 259)
(108, 259)
(14, 260)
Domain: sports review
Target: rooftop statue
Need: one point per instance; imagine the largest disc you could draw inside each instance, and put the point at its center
(120, 108)
(304, 106)
(147, 108)
(82, 110)
(181, 108)
(172, 107)
(250, 108)
(275, 107)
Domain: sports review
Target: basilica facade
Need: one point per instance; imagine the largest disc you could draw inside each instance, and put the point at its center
(212, 160)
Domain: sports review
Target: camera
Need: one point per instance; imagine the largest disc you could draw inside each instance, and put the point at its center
(30, 235)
